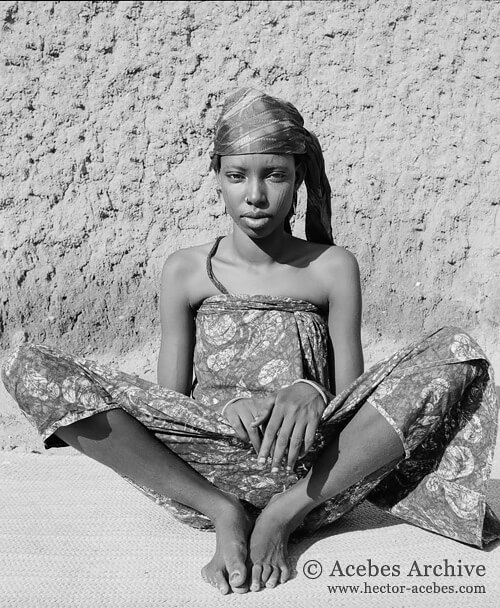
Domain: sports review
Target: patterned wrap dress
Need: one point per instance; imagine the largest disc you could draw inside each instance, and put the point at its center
(438, 394)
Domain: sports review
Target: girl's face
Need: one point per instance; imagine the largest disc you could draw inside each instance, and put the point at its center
(258, 190)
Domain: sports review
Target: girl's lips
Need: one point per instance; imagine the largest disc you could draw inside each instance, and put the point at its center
(255, 221)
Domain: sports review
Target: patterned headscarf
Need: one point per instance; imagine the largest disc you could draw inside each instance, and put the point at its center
(252, 122)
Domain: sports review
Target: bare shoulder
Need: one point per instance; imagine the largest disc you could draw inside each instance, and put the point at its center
(185, 260)
(339, 258)
(184, 270)
(339, 270)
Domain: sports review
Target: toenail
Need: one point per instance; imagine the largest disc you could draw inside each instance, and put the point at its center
(274, 470)
(234, 576)
(262, 461)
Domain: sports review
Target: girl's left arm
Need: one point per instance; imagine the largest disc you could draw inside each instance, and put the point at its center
(344, 318)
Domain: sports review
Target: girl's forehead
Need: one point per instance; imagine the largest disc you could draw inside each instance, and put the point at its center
(258, 160)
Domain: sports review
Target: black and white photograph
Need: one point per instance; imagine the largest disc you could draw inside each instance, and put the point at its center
(249, 304)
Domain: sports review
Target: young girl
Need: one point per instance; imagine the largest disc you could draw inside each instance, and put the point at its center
(281, 430)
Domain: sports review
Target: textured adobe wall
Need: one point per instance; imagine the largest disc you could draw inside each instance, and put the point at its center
(106, 113)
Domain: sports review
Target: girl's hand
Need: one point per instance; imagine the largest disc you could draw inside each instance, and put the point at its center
(293, 422)
(243, 413)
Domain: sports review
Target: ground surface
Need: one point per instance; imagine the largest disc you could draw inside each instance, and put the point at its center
(72, 533)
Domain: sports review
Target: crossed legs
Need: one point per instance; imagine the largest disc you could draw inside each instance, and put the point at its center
(116, 439)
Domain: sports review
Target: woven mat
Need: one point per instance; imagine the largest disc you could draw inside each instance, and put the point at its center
(74, 534)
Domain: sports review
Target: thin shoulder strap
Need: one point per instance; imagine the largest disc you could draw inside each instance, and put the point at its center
(210, 271)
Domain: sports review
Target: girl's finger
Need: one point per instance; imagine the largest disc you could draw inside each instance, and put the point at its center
(282, 443)
(238, 427)
(254, 434)
(270, 435)
(296, 441)
(271, 449)
(309, 436)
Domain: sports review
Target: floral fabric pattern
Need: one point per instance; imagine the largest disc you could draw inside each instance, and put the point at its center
(438, 394)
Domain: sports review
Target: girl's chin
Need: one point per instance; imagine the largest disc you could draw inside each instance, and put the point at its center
(256, 233)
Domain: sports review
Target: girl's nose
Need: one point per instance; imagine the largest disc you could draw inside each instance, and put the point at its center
(255, 192)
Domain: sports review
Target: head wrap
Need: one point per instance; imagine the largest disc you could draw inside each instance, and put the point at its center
(252, 122)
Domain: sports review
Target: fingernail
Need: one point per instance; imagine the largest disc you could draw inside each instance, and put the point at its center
(262, 461)
(274, 470)
(288, 469)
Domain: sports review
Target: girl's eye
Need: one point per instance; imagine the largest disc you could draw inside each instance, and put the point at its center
(277, 177)
(234, 177)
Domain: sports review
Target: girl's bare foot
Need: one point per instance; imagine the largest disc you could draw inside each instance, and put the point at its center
(227, 570)
(269, 545)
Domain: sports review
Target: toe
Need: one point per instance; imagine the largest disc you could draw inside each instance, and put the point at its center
(285, 573)
(237, 574)
(256, 577)
(237, 580)
(205, 575)
(221, 583)
(274, 578)
(267, 570)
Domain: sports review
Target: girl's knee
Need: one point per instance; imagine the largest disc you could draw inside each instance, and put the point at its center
(455, 343)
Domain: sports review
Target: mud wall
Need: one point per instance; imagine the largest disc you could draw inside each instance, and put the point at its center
(107, 110)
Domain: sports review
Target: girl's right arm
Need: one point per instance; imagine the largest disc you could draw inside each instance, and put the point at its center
(175, 361)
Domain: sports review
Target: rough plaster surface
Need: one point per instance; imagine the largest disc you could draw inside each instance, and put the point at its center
(106, 115)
